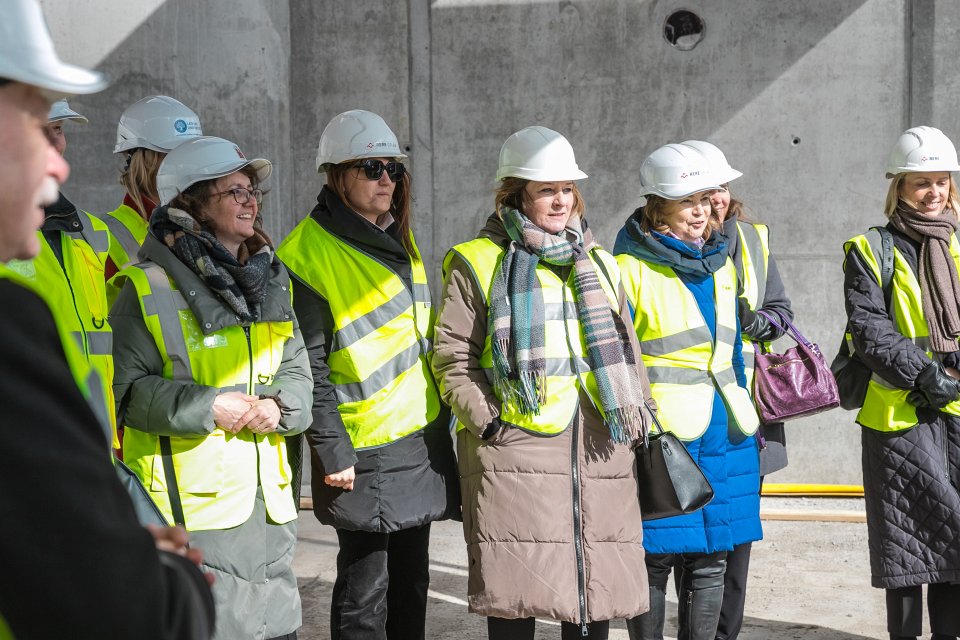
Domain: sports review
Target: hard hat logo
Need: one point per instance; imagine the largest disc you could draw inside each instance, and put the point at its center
(239, 153)
(180, 125)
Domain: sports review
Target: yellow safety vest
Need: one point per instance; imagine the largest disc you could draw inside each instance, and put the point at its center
(885, 407)
(567, 367)
(88, 380)
(76, 293)
(216, 475)
(382, 335)
(755, 259)
(685, 363)
(129, 230)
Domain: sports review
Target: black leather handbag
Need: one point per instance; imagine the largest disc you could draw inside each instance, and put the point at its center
(669, 481)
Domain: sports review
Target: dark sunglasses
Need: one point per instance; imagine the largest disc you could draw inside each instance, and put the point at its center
(374, 169)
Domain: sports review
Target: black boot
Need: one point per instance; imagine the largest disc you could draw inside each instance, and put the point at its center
(649, 626)
(699, 613)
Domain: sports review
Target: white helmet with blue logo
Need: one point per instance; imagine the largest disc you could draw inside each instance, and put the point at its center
(159, 123)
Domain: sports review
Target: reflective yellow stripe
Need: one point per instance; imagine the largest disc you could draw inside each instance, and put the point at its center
(165, 305)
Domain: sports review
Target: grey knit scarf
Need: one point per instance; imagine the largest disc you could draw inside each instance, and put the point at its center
(517, 326)
(939, 285)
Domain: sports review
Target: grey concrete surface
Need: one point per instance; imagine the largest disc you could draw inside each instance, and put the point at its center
(805, 97)
(808, 581)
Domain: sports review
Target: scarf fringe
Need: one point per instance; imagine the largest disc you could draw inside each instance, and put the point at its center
(625, 424)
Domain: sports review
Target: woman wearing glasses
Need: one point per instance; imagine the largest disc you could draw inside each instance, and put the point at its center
(211, 376)
(382, 459)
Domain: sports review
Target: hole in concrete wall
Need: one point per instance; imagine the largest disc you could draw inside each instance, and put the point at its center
(684, 29)
(796, 140)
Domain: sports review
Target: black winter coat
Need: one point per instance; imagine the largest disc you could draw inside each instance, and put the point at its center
(70, 534)
(910, 477)
(404, 484)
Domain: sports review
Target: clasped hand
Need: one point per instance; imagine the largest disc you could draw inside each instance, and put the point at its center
(235, 410)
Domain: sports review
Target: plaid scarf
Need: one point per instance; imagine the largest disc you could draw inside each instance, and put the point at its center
(517, 326)
(241, 281)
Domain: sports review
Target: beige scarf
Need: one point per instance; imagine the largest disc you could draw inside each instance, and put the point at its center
(939, 284)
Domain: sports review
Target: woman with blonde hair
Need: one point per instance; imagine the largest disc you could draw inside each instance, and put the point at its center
(535, 355)
(148, 130)
(907, 334)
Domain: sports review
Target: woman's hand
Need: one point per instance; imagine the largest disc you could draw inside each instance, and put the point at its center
(262, 417)
(343, 479)
(230, 407)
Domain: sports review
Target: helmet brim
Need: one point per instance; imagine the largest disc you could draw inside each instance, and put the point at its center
(540, 175)
(59, 79)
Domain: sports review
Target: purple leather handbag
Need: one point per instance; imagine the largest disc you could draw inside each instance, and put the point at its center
(794, 383)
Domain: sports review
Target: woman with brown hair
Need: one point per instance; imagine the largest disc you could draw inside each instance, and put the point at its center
(382, 460)
(535, 355)
(212, 377)
(148, 130)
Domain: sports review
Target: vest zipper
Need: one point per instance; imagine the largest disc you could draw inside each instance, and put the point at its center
(73, 299)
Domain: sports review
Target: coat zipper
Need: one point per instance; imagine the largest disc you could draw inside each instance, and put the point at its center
(575, 481)
(943, 450)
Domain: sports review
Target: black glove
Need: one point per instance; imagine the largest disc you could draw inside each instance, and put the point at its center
(934, 388)
(491, 430)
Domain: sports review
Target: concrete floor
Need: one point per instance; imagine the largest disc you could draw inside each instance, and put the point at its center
(808, 581)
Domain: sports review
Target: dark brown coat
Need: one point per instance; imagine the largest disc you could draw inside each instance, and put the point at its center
(552, 523)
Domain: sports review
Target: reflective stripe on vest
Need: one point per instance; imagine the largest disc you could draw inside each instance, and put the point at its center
(885, 407)
(567, 367)
(752, 268)
(129, 229)
(86, 376)
(685, 363)
(76, 294)
(382, 334)
(217, 474)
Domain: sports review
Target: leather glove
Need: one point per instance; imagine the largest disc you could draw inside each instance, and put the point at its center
(492, 430)
(934, 388)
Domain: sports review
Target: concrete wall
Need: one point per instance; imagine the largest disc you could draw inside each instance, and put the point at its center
(805, 97)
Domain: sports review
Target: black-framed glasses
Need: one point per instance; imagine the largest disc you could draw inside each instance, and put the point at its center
(373, 169)
(242, 196)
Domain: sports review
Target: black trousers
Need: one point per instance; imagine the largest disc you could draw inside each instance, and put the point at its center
(381, 587)
(734, 592)
(905, 610)
(523, 629)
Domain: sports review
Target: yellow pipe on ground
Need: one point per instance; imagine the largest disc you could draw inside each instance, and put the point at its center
(812, 490)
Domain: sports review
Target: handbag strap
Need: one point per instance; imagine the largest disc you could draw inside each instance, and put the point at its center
(656, 423)
(783, 323)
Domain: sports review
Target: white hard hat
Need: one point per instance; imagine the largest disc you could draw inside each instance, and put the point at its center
(60, 111)
(676, 171)
(718, 162)
(922, 149)
(538, 153)
(353, 135)
(203, 158)
(27, 54)
(159, 123)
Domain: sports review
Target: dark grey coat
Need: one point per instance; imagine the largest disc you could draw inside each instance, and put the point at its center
(404, 484)
(773, 453)
(910, 477)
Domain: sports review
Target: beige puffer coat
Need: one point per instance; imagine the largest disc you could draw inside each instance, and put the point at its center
(552, 523)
